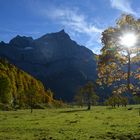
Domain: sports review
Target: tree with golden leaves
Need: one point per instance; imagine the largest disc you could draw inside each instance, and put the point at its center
(87, 95)
(120, 47)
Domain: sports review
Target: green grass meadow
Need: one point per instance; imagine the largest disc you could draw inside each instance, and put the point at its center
(71, 124)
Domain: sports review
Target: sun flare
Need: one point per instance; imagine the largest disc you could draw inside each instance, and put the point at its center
(128, 40)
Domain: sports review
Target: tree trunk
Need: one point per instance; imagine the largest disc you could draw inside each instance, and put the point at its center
(89, 106)
(128, 72)
(31, 104)
(31, 109)
(20, 99)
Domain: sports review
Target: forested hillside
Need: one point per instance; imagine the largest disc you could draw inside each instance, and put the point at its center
(18, 88)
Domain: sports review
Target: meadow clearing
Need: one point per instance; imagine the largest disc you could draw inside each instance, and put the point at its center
(75, 123)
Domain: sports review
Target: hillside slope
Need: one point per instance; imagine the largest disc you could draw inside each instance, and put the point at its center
(18, 86)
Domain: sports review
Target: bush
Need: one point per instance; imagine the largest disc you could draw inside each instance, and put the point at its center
(5, 107)
(59, 103)
(116, 100)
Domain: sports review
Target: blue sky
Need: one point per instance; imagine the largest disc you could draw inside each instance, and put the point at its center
(84, 20)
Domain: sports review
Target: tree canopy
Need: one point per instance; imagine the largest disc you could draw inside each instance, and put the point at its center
(115, 60)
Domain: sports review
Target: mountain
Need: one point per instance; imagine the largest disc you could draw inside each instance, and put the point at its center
(59, 62)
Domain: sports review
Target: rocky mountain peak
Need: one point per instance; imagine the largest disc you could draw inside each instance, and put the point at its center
(21, 41)
(61, 35)
(2, 43)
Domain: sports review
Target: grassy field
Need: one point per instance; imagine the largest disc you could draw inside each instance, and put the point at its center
(71, 124)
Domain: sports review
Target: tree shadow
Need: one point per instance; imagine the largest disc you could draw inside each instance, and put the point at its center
(73, 111)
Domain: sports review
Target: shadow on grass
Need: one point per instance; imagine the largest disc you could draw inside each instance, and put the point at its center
(73, 111)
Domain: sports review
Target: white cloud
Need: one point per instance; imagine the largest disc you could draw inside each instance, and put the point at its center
(74, 20)
(94, 43)
(124, 6)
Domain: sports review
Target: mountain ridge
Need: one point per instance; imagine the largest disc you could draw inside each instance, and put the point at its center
(54, 59)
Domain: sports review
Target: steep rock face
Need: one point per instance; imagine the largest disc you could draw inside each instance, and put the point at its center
(55, 59)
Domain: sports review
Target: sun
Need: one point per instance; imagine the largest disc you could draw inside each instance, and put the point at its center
(128, 40)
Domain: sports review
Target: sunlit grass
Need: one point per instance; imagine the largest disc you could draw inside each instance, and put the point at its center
(71, 123)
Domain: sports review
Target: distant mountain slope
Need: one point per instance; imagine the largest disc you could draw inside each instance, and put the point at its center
(59, 62)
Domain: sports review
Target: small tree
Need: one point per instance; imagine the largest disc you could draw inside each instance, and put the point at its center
(31, 95)
(116, 100)
(79, 97)
(136, 98)
(111, 101)
(31, 98)
(5, 89)
(87, 95)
